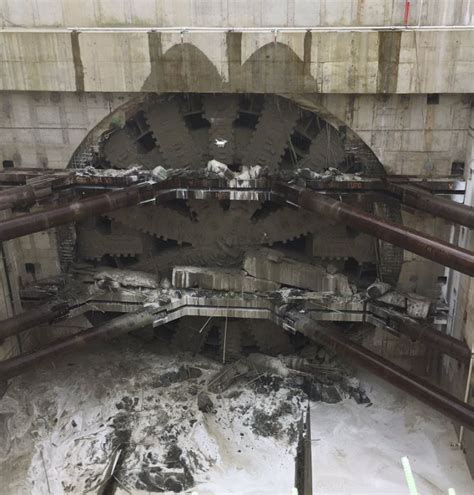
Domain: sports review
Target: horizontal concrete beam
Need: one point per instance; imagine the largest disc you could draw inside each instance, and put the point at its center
(259, 60)
(232, 13)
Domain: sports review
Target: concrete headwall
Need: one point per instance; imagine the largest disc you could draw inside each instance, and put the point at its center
(352, 62)
(233, 13)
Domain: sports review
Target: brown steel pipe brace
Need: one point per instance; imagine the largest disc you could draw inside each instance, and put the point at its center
(75, 211)
(417, 242)
(421, 199)
(426, 333)
(114, 328)
(28, 319)
(412, 240)
(330, 336)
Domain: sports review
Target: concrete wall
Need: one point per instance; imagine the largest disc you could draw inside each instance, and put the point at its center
(353, 62)
(232, 13)
(43, 129)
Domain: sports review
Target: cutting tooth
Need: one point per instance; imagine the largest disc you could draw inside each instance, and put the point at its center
(120, 149)
(326, 150)
(271, 136)
(172, 136)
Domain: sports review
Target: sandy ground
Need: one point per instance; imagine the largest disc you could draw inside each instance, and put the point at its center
(358, 451)
(61, 424)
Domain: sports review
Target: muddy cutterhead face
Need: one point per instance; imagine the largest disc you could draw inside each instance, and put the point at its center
(243, 136)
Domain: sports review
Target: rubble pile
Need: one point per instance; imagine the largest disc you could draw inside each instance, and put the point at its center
(217, 170)
(157, 421)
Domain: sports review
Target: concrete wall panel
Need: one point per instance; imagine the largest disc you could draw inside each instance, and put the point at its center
(232, 13)
(114, 61)
(427, 60)
(325, 62)
(32, 140)
(41, 60)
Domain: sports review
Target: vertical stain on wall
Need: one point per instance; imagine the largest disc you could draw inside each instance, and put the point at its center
(389, 58)
(308, 39)
(234, 57)
(76, 57)
(155, 52)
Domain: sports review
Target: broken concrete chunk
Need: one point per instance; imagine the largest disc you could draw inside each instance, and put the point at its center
(186, 277)
(250, 173)
(378, 289)
(226, 376)
(418, 306)
(132, 170)
(415, 305)
(269, 364)
(220, 169)
(127, 278)
(394, 299)
(273, 265)
(159, 173)
(331, 268)
(307, 173)
(343, 287)
(205, 403)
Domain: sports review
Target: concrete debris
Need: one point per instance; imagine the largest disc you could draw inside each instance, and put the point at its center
(273, 265)
(307, 173)
(331, 173)
(168, 439)
(378, 289)
(116, 277)
(214, 169)
(136, 171)
(268, 364)
(332, 268)
(205, 403)
(159, 174)
(165, 284)
(220, 169)
(186, 277)
(227, 376)
(415, 305)
(418, 306)
(251, 173)
(394, 298)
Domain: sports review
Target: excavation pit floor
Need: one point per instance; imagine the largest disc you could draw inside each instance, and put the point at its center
(139, 405)
(134, 416)
(358, 451)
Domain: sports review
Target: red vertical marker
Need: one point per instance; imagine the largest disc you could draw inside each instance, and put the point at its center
(406, 14)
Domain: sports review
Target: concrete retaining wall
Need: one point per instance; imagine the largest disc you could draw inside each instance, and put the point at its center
(353, 62)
